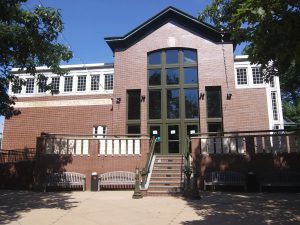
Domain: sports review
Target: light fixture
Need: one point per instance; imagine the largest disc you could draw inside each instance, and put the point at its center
(118, 100)
(229, 95)
(143, 97)
(201, 97)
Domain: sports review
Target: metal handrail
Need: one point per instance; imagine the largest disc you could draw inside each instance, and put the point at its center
(146, 169)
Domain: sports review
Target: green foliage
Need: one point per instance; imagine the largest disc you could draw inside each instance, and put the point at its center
(292, 111)
(271, 30)
(28, 38)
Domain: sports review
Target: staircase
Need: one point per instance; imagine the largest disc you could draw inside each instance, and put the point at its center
(167, 176)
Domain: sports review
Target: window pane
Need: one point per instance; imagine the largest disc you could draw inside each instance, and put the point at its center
(172, 56)
(155, 132)
(257, 76)
(154, 104)
(134, 129)
(189, 56)
(16, 87)
(55, 84)
(191, 103)
(30, 85)
(173, 104)
(213, 101)
(108, 82)
(68, 84)
(42, 85)
(154, 77)
(214, 127)
(274, 105)
(190, 75)
(191, 129)
(95, 82)
(242, 78)
(154, 58)
(172, 76)
(173, 139)
(81, 83)
(134, 104)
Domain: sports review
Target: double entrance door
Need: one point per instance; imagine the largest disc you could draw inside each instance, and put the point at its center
(172, 138)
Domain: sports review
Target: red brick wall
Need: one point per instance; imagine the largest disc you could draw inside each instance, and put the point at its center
(247, 109)
(21, 131)
(93, 163)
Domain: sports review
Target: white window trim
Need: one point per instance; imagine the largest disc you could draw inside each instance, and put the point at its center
(76, 77)
(250, 83)
(247, 75)
(107, 74)
(73, 85)
(88, 91)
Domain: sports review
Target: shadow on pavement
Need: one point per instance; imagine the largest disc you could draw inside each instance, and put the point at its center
(14, 203)
(246, 208)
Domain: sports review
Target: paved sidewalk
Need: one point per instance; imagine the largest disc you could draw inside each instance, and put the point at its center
(117, 207)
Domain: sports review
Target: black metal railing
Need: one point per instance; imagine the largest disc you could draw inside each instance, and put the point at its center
(8, 156)
(146, 170)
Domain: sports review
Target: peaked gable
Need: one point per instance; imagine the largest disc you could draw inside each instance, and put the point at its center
(167, 15)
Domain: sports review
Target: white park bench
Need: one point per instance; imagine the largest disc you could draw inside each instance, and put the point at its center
(116, 179)
(65, 180)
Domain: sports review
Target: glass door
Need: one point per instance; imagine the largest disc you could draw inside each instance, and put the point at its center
(155, 131)
(174, 139)
(190, 130)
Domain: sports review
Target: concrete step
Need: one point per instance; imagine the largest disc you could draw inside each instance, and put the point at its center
(168, 163)
(166, 179)
(166, 183)
(168, 174)
(168, 160)
(163, 193)
(165, 188)
(165, 170)
(167, 167)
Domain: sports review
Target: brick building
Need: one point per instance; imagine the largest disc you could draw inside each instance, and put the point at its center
(172, 76)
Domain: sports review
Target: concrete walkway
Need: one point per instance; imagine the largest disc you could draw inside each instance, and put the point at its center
(117, 207)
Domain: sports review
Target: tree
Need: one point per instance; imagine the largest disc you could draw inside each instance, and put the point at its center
(28, 38)
(270, 29)
(292, 111)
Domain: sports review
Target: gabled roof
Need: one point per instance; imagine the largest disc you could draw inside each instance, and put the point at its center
(168, 14)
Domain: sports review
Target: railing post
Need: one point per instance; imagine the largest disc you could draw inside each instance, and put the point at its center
(137, 190)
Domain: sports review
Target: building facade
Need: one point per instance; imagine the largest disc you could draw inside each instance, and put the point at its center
(172, 76)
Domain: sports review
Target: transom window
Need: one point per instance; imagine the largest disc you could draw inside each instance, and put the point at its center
(30, 85)
(242, 76)
(257, 76)
(172, 73)
(108, 81)
(68, 84)
(81, 84)
(95, 82)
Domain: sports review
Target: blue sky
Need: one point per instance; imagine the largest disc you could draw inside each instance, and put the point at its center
(87, 22)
